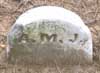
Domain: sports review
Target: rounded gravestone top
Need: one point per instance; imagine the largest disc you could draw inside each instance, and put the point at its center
(49, 32)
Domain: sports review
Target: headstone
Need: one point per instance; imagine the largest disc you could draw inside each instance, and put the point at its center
(47, 34)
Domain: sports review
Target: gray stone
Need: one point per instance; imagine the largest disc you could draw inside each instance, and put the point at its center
(47, 34)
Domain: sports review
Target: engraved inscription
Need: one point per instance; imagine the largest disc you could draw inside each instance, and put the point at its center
(48, 32)
(75, 38)
(48, 37)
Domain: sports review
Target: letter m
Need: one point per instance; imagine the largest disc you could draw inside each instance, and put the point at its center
(44, 36)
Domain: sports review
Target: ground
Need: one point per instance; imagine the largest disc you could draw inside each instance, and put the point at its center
(89, 11)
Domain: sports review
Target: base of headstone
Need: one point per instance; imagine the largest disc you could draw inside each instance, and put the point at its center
(48, 53)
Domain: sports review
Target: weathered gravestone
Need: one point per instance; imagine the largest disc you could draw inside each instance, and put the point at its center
(47, 34)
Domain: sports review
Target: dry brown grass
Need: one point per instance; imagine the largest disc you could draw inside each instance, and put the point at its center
(89, 10)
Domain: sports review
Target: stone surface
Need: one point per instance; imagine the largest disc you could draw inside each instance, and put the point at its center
(47, 34)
